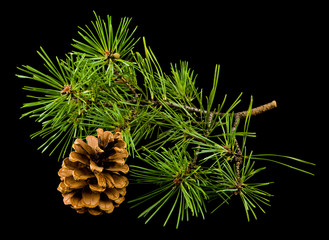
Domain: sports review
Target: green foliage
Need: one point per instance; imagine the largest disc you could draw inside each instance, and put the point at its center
(76, 88)
(102, 40)
(226, 184)
(59, 112)
(177, 179)
(184, 146)
(182, 83)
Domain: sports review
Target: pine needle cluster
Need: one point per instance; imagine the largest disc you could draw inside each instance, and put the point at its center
(183, 144)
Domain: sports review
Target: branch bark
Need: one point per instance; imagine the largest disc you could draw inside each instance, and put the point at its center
(239, 155)
(254, 111)
(258, 110)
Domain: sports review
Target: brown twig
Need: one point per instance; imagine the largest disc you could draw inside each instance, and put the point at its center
(257, 110)
(239, 155)
(243, 114)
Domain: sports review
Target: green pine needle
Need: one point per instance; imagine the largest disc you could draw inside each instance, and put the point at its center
(177, 181)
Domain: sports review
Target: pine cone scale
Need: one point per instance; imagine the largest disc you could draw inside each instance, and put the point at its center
(64, 172)
(101, 179)
(112, 193)
(82, 174)
(94, 167)
(90, 199)
(106, 205)
(79, 157)
(109, 180)
(93, 142)
(115, 167)
(92, 177)
(94, 211)
(67, 164)
(76, 202)
(119, 153)
(119, 181)
(118, 161)
(95, 187)
(83, 148)
(67, 198)
(74, 184)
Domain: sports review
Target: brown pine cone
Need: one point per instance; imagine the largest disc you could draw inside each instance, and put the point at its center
(92, 176)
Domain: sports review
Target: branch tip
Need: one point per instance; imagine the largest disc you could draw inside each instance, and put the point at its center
(263, 108)
(274, 104)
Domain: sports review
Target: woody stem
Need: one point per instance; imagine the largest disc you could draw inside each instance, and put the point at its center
(237, 117)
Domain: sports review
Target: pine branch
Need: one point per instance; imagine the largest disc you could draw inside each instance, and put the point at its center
(240, 115)
(237, 117)
(192, 153)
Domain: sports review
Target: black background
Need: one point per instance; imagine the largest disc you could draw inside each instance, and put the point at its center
(272, 51)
